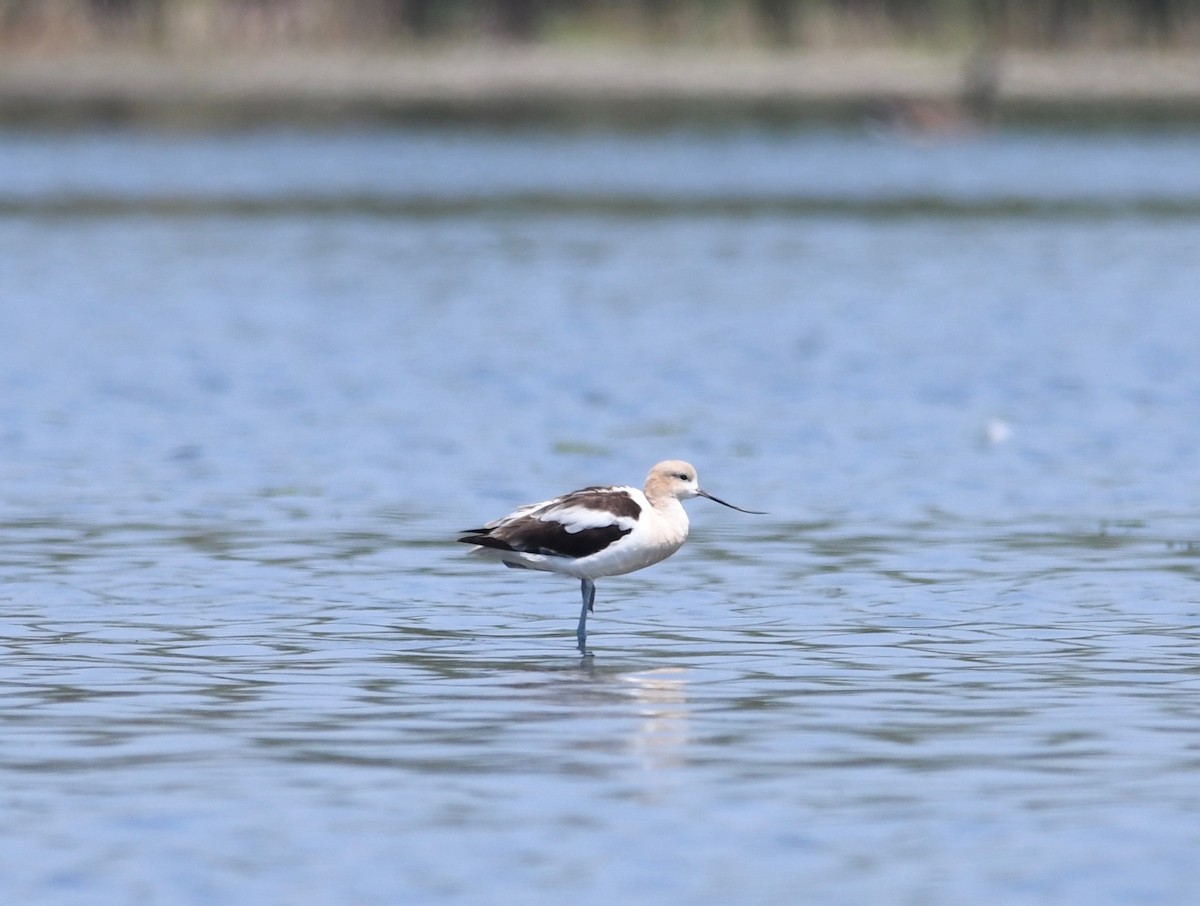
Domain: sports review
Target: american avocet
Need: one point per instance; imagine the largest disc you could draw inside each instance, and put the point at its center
(596, 531)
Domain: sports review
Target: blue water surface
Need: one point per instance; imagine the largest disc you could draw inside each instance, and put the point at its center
(251, 385)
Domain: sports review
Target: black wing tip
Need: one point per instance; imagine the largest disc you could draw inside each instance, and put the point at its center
(481, 538)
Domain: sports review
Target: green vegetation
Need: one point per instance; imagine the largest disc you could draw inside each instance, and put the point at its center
(188, 25)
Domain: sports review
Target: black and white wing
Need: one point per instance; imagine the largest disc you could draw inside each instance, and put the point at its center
(573, 526)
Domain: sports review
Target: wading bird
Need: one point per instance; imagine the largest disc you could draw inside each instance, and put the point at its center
(596, 531)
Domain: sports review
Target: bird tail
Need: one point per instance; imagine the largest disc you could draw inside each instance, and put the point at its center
(483, 537)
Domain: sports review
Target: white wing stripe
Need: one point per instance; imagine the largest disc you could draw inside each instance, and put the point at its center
(578, 518)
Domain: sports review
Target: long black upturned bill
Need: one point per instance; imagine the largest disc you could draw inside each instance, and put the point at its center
(730, 505)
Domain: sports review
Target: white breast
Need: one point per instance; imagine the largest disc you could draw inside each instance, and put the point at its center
(659, 532)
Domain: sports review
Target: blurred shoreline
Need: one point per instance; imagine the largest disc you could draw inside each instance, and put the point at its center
(486, 83)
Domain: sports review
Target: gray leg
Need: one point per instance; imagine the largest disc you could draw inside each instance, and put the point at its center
(588, 589)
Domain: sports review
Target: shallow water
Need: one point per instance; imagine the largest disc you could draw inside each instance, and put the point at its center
(252, 384)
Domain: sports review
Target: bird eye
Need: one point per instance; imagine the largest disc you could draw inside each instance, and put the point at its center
(683, 476)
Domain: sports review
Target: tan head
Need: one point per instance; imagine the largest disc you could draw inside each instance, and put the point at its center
(676, 478)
